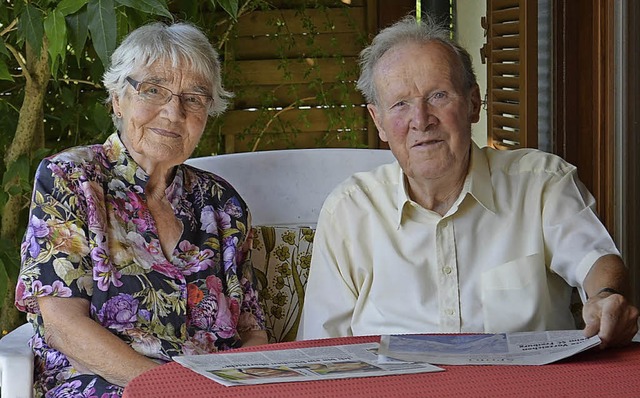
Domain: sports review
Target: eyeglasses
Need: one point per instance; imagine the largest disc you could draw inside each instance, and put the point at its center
(155, 94)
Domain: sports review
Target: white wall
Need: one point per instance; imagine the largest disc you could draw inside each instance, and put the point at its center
(470, 34)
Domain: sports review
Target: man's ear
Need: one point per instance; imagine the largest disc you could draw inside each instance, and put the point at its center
(375, 115)
(475, 104)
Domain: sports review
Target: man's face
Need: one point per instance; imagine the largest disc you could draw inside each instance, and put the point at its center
(423, 111)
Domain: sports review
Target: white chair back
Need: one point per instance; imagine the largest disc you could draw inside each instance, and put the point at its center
(288, 187)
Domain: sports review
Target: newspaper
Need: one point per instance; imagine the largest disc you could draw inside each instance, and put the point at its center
(522, 348)
(304, 364)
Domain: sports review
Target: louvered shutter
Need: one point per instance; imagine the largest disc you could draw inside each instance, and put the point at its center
(511, 56)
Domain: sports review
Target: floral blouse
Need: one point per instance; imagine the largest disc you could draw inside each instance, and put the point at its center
(91, 235)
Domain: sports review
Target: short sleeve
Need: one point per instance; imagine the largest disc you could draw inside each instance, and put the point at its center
(55, 248)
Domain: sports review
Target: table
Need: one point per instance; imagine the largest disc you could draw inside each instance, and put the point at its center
(611, 372)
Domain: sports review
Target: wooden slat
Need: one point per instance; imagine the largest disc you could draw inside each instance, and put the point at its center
(501, 121)
(502, 4)
(307, 139)
(507, 134)
(500, 82)
(506, 69)
(265, 72)
(243, 122)
(505, 95)
(284, 95)
(505, 42)
(506, 28)
(505, 108)
(295, 4)
(505, 55)
(505, 15)
(330, 20)
(328, 45)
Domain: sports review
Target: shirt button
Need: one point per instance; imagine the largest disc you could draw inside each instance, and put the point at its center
(450, 312)
(446, 270)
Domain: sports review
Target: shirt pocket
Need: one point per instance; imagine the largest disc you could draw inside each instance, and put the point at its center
(514, 295)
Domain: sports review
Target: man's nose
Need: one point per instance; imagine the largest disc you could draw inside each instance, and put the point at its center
(422, 117)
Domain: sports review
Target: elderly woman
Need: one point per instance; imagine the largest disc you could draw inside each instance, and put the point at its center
(130, 256)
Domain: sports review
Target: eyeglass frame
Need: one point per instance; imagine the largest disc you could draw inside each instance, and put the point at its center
(136, 86)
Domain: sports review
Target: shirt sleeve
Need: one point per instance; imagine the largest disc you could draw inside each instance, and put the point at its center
(330, 295)
(55, 249)
(574, 235)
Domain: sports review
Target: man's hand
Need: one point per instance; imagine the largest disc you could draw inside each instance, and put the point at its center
(612, 317)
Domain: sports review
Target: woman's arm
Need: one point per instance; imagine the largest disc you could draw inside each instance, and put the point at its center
(89, 346)
(253, 337)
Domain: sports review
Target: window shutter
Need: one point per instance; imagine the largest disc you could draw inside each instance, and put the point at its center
(511, 56)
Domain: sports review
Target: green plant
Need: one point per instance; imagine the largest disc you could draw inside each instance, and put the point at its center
(52, 56)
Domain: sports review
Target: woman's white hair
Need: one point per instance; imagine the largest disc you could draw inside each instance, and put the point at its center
(409, 30)
(181, 44)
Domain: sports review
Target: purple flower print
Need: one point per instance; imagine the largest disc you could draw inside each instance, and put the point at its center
(37, 229)
(208, 220)
(194, 260)
(103, 272)
(60, 290)
(229, 252)
(232, 207)
(212, 220)
(119, 313)
(66, 390)
(38, 289)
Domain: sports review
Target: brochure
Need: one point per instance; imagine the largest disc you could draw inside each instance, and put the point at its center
(522, 348)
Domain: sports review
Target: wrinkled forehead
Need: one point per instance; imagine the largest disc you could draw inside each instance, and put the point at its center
(170, 72)
(425, 58)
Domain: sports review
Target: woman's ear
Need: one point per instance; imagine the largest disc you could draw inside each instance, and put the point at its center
(115, 104)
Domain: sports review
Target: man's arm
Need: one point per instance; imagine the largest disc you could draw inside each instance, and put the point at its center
(608, 311)
(329, 300)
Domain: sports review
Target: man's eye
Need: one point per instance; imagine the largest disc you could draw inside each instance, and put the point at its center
(399, 104)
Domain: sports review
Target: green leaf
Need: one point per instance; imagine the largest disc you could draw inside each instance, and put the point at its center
(11, 258)
(230, 6)
(78, 25)
(69, 7)
(30, 27)
(5, 74)
(56, 31)
(3, 48)
(102, 26)
(18, 169)
(101, 117)
(154, 7)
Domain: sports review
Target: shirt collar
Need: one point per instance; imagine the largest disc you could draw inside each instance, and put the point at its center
(132, 174)
(477, 184)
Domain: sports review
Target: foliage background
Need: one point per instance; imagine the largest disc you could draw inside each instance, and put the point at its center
(52, 57)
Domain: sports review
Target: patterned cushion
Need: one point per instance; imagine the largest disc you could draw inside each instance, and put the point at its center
(281, 256)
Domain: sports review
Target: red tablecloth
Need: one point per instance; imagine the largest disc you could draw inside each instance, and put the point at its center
(602, 373)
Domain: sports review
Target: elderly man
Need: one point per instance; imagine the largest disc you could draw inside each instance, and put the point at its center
(453, 238)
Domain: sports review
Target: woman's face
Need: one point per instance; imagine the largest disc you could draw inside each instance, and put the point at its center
(161, 135)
